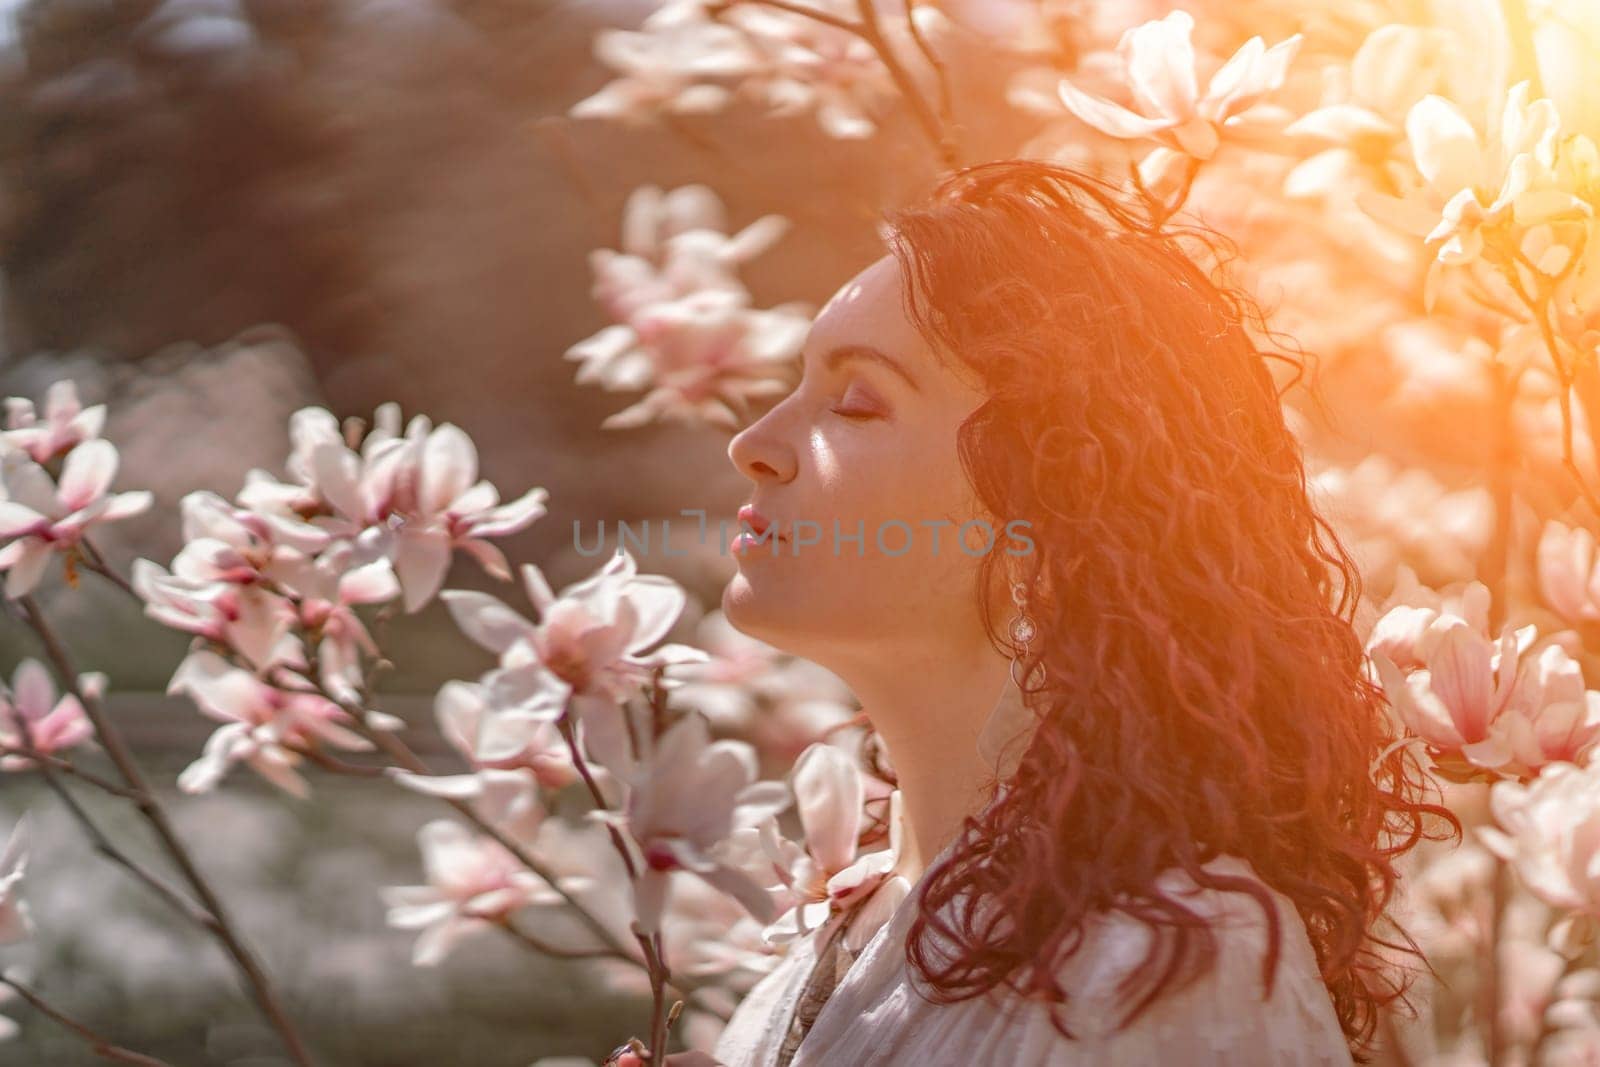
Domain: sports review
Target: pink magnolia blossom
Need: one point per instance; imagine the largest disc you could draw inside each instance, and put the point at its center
(1463, 682)
(227, 581)
(265, 723)
(502, 739)
(52, 725)
(1402, 632)
(588, 651)
(327, 591)
(41, 517)
(669, 64)
(67, 423)
(682, 806)
(418, 498)
(15, 923)
(684, 61)
(828, 878)
(682, 321)
(1569, 575)
(474, 884)
(1549, 831)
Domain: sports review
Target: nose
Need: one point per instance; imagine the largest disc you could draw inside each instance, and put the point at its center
(762, 452)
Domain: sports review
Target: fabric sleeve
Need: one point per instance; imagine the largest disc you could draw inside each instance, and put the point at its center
(1224, 1017)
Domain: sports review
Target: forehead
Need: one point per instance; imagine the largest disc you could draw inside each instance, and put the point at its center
(867, 310)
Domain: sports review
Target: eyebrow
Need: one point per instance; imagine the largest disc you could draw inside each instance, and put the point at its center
(844, 353)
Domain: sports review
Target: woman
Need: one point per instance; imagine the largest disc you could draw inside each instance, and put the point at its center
(1176, 847)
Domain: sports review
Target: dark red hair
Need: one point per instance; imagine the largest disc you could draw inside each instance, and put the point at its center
(1205, 691)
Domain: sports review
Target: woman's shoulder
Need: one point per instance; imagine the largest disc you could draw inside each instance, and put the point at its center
(1226, 1016)
(1263, 1000)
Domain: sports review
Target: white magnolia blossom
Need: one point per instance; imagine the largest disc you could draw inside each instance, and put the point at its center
(682, 321)
(1187, 124)
(40, 517)
(32, 717)
(1363, 119)
(1517, 179)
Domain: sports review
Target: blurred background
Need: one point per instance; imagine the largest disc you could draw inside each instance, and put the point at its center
(214, 213)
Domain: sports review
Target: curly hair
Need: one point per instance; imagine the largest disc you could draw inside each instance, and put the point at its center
(1204, 689)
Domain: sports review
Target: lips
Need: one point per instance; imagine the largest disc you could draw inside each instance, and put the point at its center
(759, 524)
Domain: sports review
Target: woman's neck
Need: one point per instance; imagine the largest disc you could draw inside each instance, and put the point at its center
(929, 717)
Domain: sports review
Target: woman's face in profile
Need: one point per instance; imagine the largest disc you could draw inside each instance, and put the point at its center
(865, 446)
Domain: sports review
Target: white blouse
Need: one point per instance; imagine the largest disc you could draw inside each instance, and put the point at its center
(876, 1018)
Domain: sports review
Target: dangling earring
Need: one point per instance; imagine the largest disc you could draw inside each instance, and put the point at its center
(1011, 715)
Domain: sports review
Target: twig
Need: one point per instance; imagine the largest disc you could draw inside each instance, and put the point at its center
(873, 34)
(1540, 309)
(147, 805)
(102, 844)
(940, 72)
(99, 1045)
(68, 767)
(97, 564)
(868, 29)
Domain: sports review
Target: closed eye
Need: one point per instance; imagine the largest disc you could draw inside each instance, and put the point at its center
(853, 405)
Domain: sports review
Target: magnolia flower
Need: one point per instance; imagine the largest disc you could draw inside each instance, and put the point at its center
(474, 884)
(587, 652)
(66, 423)
(706, 933)
(682, 805)
(327, 590)
(710, 357)
(502, 739)
(223, 580)
(682, 324)
(43, 517)
(265, 723)
(780, 703)
(675, 243)
(665, 64)
(1549, 831)
(1396, 66)
(680, 57)
(418, 498)
(827, 878)
(832, 72)
(1393, 516)
(1186, 123)
(1569, 579)
(1472, 186)
(14, 921)
(1409, 614)
(248, 618)
(512, 752)
(51, 725)
(1466, 684)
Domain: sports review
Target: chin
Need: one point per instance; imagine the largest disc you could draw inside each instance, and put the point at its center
(760, 609)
